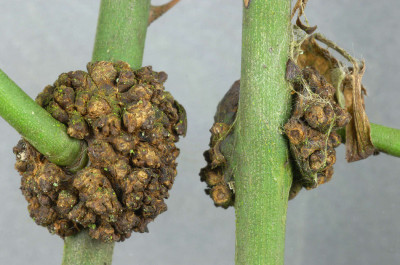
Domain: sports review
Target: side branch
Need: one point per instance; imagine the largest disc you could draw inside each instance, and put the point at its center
(37, 126)
(386, 139)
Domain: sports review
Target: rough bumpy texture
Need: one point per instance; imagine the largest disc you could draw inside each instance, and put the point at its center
(312, 128)
(220, 183)
(130, 124)
(311, 131)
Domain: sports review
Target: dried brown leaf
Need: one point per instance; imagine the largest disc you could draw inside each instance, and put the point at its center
(318, 58)
(358, 131)
(227, 107)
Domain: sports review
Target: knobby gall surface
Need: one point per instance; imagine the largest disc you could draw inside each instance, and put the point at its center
(130, 124)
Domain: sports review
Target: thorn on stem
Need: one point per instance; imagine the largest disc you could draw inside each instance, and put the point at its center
(158, 11)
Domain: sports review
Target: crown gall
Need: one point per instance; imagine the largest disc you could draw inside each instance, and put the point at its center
(311, 130)
(131, 125)
(220, 183)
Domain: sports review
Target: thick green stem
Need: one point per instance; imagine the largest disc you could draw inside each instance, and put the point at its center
(262, 172)
(36, 125)
(121, 34)
(121, 31)
(81, 249)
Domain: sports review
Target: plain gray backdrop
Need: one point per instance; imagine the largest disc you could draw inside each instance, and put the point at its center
(351, 220)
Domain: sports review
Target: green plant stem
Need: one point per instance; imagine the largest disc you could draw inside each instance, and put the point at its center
(261, 169)
(121, 33)
(386, 139)
(36, 125)
(81, 249)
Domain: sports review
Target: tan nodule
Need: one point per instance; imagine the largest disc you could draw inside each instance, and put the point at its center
(221, 195)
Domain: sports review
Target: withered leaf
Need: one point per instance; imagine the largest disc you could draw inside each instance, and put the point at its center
(227, 107)
(318, 58)
(358, 131)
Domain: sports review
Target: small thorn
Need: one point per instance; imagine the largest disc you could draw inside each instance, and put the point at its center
(158, 11)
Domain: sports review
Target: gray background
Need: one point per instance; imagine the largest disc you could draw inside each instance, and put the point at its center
(351, 220)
